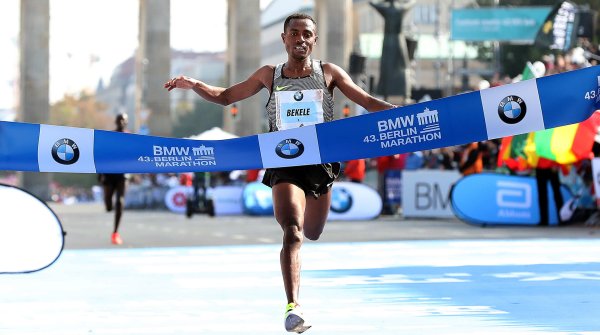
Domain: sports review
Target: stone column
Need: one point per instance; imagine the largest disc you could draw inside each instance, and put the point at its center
(154, 67)
(243, 57)
(34, 79)
(334, 27)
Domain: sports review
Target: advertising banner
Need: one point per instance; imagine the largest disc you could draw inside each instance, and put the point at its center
(227, 199)
(497, 199)
(392, 183)
(518, 24)
(559, 30)
(176, 198)
(349, 201)
(257, 199)
(426, 193)
(354, 201)
(506, 110)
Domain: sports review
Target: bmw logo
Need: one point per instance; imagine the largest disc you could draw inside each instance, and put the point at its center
(512, 109)
(298, 96)
(65, 151)
(290, 148)
(341, 200)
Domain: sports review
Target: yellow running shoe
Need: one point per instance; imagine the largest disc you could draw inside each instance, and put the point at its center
(294, 319)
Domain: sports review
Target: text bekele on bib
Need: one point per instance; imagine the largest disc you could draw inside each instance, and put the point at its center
(298, 108)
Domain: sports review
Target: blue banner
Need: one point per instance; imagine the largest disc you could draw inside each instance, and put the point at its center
(392, 185)
(513, 109)
(497, 199)
(257, 199)
(519, 24)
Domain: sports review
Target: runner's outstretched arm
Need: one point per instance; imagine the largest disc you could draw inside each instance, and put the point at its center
(225, 96)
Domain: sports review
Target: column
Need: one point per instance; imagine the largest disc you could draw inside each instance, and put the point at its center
(153, 67)
(34, 79)
(334, 27)
(243, 56)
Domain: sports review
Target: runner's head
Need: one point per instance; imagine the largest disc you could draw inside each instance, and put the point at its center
(299, 35)
(121, 121)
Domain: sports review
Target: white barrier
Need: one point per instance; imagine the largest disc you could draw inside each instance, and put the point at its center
(426, 193)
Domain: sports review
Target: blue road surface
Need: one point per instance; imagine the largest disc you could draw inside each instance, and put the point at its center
(533, 286)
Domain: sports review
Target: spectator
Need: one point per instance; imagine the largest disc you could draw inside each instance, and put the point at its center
(547, 171)
(252, 175)
(355, 170)
(471, 161)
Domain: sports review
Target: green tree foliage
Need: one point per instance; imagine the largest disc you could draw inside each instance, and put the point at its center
(83, 111)
(204, 116)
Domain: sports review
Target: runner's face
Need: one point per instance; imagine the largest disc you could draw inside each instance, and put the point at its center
(122, 122)
(299, 38)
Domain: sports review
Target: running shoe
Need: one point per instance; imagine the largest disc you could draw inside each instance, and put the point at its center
(294, 319)
(116, 239)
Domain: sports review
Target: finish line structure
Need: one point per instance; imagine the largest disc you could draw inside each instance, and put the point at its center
(513, 109)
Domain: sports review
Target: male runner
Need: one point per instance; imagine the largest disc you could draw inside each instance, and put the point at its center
(301, 197)
(114, 184)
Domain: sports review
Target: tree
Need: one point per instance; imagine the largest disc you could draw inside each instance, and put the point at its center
(84, 112)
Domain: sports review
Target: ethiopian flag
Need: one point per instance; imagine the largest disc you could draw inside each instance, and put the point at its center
(563, 145)
(567, 144)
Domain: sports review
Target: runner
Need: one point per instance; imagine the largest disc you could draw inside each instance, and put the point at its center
(114, 185)
(301, 93)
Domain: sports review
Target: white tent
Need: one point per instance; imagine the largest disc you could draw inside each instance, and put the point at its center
(215, 133)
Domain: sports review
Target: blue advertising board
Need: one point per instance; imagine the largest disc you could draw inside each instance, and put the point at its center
(349, 201)
(497, 199)
(497, 24)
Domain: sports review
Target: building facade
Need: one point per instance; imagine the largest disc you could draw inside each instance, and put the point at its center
(119, 94)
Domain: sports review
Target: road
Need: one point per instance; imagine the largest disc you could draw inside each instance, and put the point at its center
(386, 276)
(88, 226)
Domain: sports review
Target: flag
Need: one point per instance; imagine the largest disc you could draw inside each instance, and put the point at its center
(563, 145)
(559, 31)
(534, 70)
(568, 144)
(512, 152)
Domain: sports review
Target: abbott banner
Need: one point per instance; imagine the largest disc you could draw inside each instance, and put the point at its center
(426, 193)
(496, 199)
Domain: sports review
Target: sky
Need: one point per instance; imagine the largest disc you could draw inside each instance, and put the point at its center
(105, 30)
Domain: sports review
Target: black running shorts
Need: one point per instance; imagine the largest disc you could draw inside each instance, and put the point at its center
(315, 180)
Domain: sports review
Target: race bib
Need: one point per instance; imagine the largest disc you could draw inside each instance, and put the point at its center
(298, 108)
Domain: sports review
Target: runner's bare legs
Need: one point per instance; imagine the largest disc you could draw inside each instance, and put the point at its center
(298, 215)
(119, 201)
